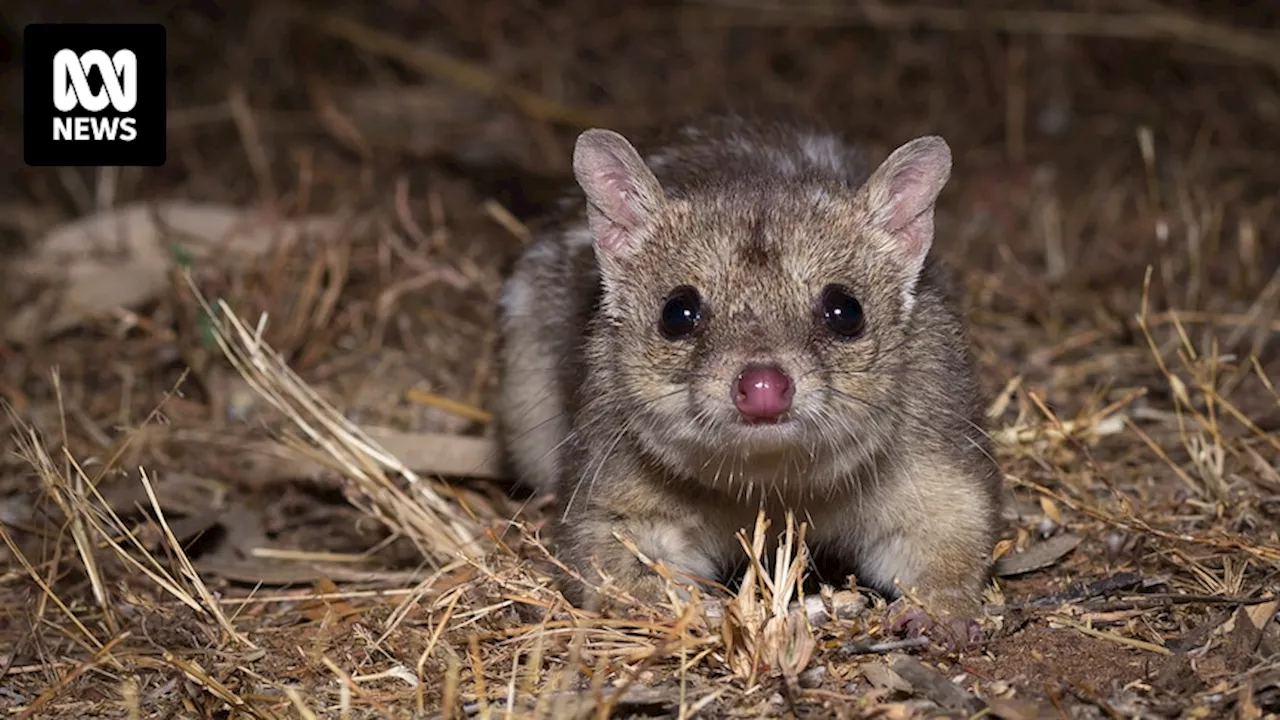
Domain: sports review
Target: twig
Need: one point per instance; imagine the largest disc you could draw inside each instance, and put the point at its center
(103, 653)
(864, 646)
(1081, 591)
(1147, 600)
(1224, 541)
(439, 529)
(213, 686)
(46, 588)
(1120, 639)
(449, 405)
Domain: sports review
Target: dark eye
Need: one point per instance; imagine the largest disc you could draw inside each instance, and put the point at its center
(842, 312)
(681, 313)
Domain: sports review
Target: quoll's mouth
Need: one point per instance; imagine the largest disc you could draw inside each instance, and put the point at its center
(765, 421)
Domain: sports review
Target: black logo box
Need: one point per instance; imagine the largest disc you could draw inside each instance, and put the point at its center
(148, 43)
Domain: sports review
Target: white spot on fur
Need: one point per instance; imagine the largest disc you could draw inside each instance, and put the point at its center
(908, 298)
(897, 559)
(819, 196)
(578, 237)
(670, 544)
(815, 152)
(806, 151)
(824, 151)
(517, 295)
(659, 160)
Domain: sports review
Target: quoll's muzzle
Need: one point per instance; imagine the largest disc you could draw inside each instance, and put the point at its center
(763, 394)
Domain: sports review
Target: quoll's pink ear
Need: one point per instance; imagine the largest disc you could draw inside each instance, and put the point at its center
(622, 193)
(901, 195)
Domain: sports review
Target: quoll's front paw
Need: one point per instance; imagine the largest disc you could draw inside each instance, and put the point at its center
(640, 586)
(955, 633)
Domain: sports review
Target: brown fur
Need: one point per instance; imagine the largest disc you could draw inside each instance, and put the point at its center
(636, 434)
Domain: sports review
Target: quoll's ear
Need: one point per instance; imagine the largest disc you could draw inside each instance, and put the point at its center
(901, 195)
(622, 193)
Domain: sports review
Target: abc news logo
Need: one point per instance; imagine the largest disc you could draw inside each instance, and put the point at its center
(94, 95)
(71, 90)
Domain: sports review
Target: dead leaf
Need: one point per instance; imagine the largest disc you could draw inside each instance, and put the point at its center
(122, 257)
(1011, 709)
(1038, 556)
(424, 453)
(190, 527)
(1262, 613)
(788, 642)
(441, 454)
(1050, 509)
(882, 676)
(1243, 637)
(318, 609)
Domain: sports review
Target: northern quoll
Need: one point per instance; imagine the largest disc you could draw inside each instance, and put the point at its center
(747, 316)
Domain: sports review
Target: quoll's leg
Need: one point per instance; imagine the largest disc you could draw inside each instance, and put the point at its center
(589, 547)
(947, 584)
(934, 536)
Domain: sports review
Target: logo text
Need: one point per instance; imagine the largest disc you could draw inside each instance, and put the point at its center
(94, 128)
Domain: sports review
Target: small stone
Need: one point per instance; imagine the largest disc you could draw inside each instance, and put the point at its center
(812, 677)
(1115, 543)
(1046, 527)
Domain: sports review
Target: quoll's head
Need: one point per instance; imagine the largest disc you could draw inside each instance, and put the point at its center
(756, 315)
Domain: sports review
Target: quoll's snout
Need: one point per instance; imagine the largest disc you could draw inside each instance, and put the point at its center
(763, 393)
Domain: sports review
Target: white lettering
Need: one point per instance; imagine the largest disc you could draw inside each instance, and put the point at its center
(119, 80)
(95, 128)
(105, 128)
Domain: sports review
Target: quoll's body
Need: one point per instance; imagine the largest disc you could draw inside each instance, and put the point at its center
(746, 317)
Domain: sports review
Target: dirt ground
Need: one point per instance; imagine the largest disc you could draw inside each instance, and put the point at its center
(193, 527)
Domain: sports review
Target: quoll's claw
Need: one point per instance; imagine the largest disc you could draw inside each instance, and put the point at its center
(955, 634)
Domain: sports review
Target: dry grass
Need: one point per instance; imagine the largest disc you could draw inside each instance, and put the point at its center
(226, 501)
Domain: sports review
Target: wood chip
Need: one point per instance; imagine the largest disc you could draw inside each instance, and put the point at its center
(930, 684)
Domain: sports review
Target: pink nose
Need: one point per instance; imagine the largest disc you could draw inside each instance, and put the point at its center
(764, 393)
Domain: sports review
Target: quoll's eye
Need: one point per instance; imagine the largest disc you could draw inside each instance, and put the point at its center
(841, 312)
(681, 313)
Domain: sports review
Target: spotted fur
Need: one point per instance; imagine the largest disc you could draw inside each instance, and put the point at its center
(886, 456)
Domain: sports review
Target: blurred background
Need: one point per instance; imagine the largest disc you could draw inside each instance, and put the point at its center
(1092, 139)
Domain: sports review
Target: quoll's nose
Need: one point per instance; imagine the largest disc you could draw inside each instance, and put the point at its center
(763, 393)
